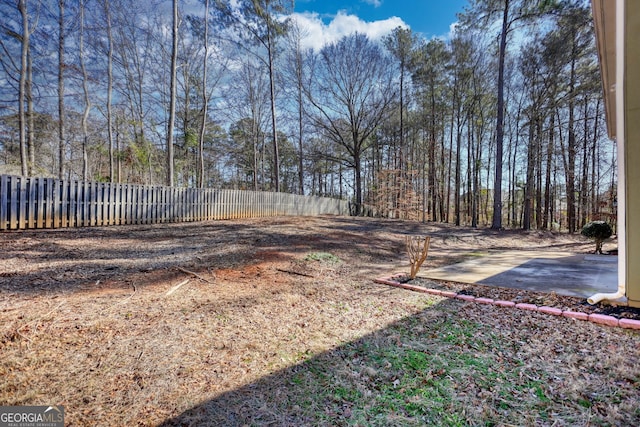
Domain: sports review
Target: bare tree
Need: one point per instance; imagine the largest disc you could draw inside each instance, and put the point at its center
(22, 6)
(205, 97)
(107, 13)
(401, 43)
(257, 21)
(572, 41)
(61, 111)
(352, 93)
(295, 71)
(247, 104)
(87, 100)
(429, 77)
(511, 12)
(496, 223)
(173, 96)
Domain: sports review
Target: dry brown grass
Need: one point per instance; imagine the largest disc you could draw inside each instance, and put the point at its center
(87, 321)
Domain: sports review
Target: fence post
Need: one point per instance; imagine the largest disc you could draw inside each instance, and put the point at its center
(4, 191)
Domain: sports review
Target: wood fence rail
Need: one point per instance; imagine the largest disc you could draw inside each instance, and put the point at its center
(31, 203)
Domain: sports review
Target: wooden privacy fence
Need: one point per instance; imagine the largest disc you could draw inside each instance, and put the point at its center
(28, 203)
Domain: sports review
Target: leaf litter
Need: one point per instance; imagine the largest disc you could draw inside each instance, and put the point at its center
(104, 322)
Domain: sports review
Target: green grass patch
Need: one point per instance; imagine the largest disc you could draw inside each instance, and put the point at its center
(323, 257)
(448, 376)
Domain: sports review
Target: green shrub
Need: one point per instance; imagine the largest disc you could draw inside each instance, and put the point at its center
(598, 231)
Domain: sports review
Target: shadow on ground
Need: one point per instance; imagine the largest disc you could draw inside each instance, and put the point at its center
(67, 260)
(436, 368)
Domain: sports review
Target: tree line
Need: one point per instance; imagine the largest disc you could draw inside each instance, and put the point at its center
(499, 125)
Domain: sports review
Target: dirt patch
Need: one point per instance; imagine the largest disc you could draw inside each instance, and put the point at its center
(213, 323)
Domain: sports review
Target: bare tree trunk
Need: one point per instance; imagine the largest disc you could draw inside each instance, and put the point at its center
(538, 178)
(475, 198)
(433, 203)
(497, 196)
(570, 167)
(594, 187)
(458, 166)
(118, 150)
(584, 184)
(31, 132)
(107, 11)
(358, 179)
(205, 98)
(172, 102)
(423, 171)
(528, 192)
(61, 121)
(546, 217)
(300, 132)
(514, 182)
(296, 72)
(274, 130)
(87, 101)
(255, 140)
(445, 176)
(22, 6)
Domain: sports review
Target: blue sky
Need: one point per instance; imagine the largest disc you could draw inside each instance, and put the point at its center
(328, 20)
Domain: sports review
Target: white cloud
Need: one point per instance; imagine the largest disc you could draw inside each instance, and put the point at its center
(320, 33)
(374, 3)
(454, 27)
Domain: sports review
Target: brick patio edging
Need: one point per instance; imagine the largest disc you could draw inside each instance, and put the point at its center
(600, 319)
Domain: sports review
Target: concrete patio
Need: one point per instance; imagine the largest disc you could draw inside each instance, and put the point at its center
(565, 273)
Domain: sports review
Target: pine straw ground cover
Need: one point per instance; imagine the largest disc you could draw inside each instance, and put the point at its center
(278, 322)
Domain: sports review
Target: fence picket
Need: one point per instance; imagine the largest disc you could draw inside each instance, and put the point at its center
(40, 219)
(23, 204)
(11, 203)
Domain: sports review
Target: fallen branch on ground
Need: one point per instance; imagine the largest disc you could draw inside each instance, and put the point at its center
(294, 272)
(176, 287)
(135, 290)
(194, 274)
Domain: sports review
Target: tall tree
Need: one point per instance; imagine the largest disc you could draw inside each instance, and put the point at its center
(429, 76)
(295, 73)
(173, 96)
(106, 5)
(461, 55)
(136, 45)
(205, 97)
(571, 42)
(22, 118)
(248, 99)
(351, 93)
(258, 21)
(401, 43)
(61, 110)
(510, 12)
(85, 89)
(535, 91)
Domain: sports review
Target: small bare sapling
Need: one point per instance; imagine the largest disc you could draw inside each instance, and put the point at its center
(418, 248)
